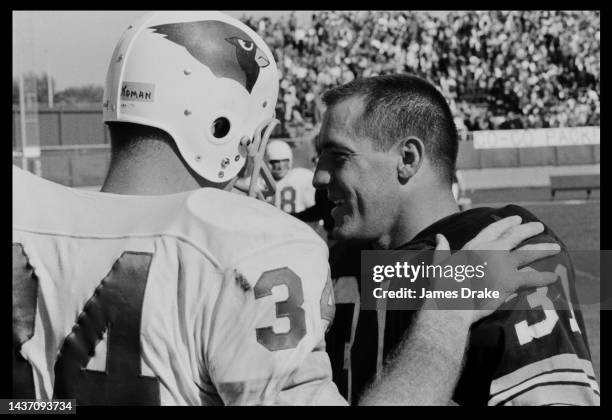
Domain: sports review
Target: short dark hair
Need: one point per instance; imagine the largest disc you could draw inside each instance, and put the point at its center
(402, 105)
(129, 137)
(137, 141)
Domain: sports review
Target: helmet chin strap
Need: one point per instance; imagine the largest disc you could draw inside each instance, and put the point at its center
(255, 166)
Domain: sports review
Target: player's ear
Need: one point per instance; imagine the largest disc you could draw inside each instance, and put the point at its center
(411, 153)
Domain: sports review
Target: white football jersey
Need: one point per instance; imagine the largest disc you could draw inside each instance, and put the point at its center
(295, 192)
(197, 298)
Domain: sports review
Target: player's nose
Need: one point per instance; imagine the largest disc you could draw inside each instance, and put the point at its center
(321, 177)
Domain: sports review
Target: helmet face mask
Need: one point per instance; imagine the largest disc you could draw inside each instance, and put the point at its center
(255, 166)
(206, 79)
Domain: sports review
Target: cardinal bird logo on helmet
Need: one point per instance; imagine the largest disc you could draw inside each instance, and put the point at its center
(225, 49)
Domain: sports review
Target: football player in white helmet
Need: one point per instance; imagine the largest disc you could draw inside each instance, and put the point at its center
(280, 158)
(206, 82)
(156, 291)
(294, 189)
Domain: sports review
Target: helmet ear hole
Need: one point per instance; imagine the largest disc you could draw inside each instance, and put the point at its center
(220, 127)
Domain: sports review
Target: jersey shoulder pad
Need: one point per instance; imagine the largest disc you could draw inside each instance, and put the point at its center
(41, 205)
(547, 236)
(512, 210)
(231, 224)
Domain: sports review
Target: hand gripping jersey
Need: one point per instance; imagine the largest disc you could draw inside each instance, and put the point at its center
(515, 357)
(197, 298)
(295, 192)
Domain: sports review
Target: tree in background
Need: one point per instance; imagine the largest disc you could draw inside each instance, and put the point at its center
(81, 95)
(90, 94)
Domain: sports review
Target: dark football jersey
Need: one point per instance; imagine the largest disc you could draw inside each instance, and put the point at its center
(515, 357)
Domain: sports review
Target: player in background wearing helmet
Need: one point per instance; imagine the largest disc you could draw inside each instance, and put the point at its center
(156, 291)
(294, 189)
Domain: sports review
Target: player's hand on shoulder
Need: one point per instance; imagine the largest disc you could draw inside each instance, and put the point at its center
(506, 265)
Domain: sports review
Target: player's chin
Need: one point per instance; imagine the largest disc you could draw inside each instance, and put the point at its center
(344, 227)
(338, 233)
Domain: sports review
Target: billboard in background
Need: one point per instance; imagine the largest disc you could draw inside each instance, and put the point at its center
(537, 137)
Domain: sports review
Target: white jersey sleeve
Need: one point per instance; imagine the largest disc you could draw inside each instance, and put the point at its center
(264, 334)
(264, 323)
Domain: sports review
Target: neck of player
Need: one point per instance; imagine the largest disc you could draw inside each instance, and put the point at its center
(151, 169)
(419, 209)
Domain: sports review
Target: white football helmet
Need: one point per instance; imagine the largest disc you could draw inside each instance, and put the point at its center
(279, 150)
(207, 80)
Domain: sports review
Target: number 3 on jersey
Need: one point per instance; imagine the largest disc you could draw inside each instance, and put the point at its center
(527, 332)
(290, 308)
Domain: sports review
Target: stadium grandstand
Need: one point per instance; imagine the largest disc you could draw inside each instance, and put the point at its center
(499, 69)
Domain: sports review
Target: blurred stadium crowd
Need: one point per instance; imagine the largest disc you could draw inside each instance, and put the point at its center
(498, 69)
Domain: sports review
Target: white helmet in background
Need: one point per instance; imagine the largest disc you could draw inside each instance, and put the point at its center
(203, 77)
(279, 150)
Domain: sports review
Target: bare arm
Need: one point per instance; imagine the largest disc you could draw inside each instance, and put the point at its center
(426, 367)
